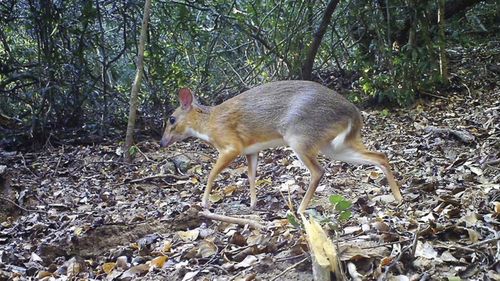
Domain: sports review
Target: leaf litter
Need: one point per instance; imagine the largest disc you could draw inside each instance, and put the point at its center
(80, 212)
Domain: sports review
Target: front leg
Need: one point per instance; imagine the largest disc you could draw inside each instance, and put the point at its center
(252, 171)
(225, 158)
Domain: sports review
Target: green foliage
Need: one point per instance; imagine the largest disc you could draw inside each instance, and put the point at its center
(133, 150)
(342, 206)
(71, 64)
(292, 219)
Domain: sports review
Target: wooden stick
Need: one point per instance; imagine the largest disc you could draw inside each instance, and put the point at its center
(386, 244)
(240, 221)
(289, 268)
(159, 177)
(21, 207)
(484, 242)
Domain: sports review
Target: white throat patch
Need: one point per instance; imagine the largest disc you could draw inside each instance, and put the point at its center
(196, 134)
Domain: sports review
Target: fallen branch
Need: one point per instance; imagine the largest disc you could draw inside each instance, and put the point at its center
(159, 177)
(463, 136)
(21, 207)
(240, 221)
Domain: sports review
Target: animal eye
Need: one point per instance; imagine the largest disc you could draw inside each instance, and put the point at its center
(171, 120)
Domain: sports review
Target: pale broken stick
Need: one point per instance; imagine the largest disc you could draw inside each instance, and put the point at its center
(240, 221)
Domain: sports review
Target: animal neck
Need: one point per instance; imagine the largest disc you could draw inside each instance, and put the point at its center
(199, 126)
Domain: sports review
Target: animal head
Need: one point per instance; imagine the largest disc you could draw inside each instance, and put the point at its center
(178, 124)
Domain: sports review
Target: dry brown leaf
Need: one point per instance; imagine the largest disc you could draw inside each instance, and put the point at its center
(207, 248)
(496, 208)
(167, 246)
(386, 198)
(470, 219)
(425, 250)
(135, 271)
(42, 274)
(215, 197)
(352, 229)
(158, 262)
(476, 170)
(374, 175)
(280, 223)
(247, 262)
(448, 257)
(257, 238)
(474, 236)
(386, 261)
(238, 239)
(260, 182)
(381, 226)
(229, 190)
(35, 258)
(289, 186)
(189, 235)
(108, 267)
(190, 275)
(353, 252)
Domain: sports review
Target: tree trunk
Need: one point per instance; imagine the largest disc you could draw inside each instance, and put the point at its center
(452, 8)
(101, 52)
(443, 62)
(129, 138)
(317, 38)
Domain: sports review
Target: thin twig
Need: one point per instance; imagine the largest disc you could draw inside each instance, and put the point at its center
(289, 268)
(434, 96)
(21, 207)
(240, 221)
(468, 90)
(26, 166)
(477, 244)
(58, 162)
(415, 240)
(142, 153)
(160, 176)
(386, 244)
(290, 258)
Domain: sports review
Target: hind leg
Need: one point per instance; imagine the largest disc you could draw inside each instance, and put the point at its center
(307, 155)
(252, 171)
(356, 153)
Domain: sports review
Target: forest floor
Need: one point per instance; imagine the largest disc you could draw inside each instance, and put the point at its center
(80, 212)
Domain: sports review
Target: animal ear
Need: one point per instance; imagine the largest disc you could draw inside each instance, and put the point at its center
(186, 98)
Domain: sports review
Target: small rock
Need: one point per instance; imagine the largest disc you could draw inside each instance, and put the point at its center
(182, 163)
